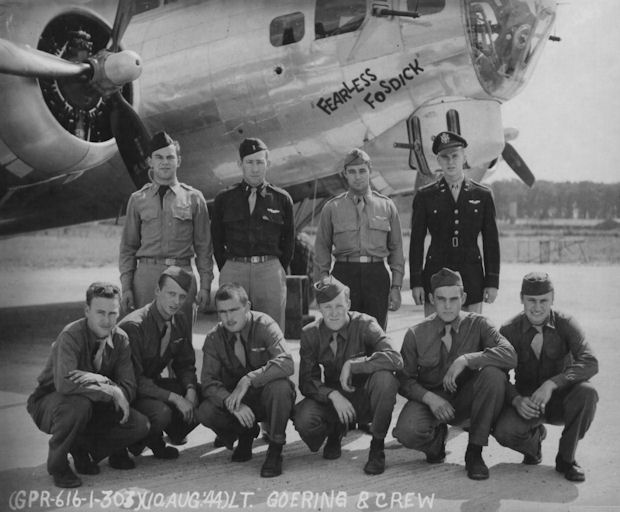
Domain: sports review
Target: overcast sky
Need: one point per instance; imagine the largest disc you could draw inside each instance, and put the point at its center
(568, 115)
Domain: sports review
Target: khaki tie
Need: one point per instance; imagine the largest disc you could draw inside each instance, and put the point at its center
(447, 338)
(537, 341)
(359, 204)
(252, 199)
(165, 339)
(455, 191)
(239, 349)
(333, 344)
(98, 361)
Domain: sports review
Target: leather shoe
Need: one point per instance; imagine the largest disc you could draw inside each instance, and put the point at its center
(572, 471)
(83, 463)
(376, 458)
(66, 479)
(243, 450)
(532, 460)
(474, 464)
(176, 440)
(165, 452)
(273, 461)
(137, 448)
(437, 452)
(121, 460)
(332, 449)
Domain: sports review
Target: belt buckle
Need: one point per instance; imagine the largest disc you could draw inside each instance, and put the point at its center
(170, 261)
(255, 259)
(364, 259)
(455, 241)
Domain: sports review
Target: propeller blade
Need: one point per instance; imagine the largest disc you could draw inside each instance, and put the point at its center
(517, 164)
(22, 60)
(124, 12)
(132, 138)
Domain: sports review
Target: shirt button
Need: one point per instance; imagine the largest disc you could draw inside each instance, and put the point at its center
(456, 231)
(456, 211)
(456, 221)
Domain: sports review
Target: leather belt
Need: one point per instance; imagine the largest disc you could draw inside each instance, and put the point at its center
(359, 259)
(254, 259)
(179, 262)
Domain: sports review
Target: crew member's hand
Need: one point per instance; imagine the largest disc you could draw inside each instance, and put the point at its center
(456, 368)
(127, 303)
(203, 299)
(344, 408)
(245, 416)
(345, 377)
(121, 403)
(395, 299)
(191, 395)
(233, 401)
(441, 408)
(82, 377)
(184, 406)
(489, 294)
(418, 295)
(526, 408)
(543, 394)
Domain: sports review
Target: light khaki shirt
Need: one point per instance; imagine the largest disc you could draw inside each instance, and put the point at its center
(374, 232)
(177, 230)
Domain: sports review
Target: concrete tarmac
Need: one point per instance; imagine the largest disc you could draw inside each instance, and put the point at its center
(36, 305)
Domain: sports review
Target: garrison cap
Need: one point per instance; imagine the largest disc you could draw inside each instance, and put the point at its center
(356, 157)
(324, 291)
(160, 140)
(251, 146)
(536, 283)
(445, 277)
(447, 140)
(180, 276)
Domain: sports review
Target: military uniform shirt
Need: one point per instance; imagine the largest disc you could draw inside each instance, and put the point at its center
(268, 231)
(145, 327)
(362, 340)
(177, 230)
(566, 357)
(376, 232)
(74, 349)
(426, 359)
(266, 355)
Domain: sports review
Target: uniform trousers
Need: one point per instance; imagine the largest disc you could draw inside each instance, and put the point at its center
(163, 415)
(74, 422)
(573, 406)
(145, 281)
(370, 287)
(264, 282)
(479, 398)
(272, 403)
(373, 402)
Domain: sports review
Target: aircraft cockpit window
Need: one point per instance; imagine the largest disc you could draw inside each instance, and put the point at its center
(426, 7)
(334, 17)
(506, 37)
(287, 29)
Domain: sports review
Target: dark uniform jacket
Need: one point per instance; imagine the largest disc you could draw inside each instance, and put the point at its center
(266, 355)
(362, 340)
(75, 349)
(145, 328)
(566, 357)
(426, 359)
(270, 229)
(454, 228)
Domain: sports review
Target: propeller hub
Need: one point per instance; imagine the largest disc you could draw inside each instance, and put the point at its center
(113, 70)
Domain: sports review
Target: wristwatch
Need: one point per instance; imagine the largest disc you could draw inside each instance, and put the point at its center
(397, 286)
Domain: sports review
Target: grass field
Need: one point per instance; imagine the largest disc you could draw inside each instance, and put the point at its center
(96, 245)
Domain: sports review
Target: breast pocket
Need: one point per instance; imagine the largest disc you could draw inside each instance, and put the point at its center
(149, 223)
(428, 369)
(378, 231)
(274, 216)
(182, 219)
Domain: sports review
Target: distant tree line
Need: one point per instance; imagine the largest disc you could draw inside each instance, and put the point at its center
(548, 200)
